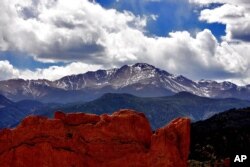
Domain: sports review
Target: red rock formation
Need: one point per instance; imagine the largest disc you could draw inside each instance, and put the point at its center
(123, 139)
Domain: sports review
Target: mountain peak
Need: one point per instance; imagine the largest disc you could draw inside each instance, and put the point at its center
(144, 66)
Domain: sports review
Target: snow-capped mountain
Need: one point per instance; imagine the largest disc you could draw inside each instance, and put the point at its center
(139, 79)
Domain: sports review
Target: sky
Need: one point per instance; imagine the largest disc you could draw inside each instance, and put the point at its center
(200, 39)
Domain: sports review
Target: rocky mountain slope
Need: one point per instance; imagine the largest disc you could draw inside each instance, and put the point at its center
(119, 140)
(139, 79)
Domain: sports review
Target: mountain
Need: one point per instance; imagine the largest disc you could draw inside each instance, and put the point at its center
(222, 136)
(159, 110)
(4, 101)
(13, 112)
(139, 79)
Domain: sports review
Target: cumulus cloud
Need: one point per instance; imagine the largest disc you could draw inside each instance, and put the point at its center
(235, 14)
(87, 36)
(61, 30)
(7, 71)
(235, 46)
(57, 72)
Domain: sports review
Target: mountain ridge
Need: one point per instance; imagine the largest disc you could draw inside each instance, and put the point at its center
(159, 110)
(140, 79)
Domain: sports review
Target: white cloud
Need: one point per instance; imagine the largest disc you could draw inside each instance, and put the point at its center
(234, 48)
(61, 30)
(84, 32)
(7, 71)
(154, 17)
(57, 72)
(197, 57)
(235, 14)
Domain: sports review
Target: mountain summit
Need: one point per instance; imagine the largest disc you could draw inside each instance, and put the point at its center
(140, 79)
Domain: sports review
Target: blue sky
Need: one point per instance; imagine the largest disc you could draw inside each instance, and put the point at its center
(200, 39)
(20, 61)
(173, 15)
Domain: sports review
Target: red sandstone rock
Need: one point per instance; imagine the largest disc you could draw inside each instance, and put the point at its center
(123, 139)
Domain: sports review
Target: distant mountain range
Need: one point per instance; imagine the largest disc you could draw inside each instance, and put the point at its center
(12, 113)
(139, 79)
(159, 110)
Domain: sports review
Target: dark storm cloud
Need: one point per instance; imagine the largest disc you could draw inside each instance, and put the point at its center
(84, 52)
